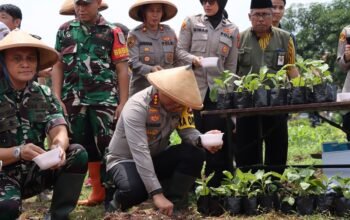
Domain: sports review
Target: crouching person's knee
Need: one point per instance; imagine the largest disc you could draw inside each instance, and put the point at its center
(9, 209)
(130, 189)
(76, 159)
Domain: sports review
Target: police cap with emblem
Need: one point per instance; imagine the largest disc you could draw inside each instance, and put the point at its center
(135, 11)
(18, 38)
(67, 7)
(256, 4)
(179, 84)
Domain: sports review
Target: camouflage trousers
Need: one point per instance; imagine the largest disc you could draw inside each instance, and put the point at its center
(92, 127)
(24, 180)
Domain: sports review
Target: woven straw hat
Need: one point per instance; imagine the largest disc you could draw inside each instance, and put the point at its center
(67, 7)
(169, 7)
(178, 84)
(19, 38)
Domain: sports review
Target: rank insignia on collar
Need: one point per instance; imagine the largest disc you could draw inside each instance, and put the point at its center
(155, 99)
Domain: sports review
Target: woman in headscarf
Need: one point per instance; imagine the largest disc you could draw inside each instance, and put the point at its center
(151, 44)
(210, 35)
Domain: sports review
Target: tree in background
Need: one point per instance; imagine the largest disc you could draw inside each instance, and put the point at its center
(317, 27)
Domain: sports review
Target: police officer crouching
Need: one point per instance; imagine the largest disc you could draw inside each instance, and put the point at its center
(28, 114)
(140, 160)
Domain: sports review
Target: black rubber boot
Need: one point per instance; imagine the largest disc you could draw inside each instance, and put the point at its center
(66, 193)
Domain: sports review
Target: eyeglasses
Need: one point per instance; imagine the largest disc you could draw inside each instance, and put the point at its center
(210, 2)
(262, 15)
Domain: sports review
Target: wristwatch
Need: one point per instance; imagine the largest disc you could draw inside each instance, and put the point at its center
(17, 151)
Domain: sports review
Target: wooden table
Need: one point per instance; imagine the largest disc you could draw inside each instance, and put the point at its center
(272, 110)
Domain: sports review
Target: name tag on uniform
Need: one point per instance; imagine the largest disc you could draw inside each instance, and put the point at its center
(281, 58)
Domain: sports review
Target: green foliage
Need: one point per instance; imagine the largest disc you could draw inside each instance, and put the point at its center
(341, 186)
(222, 84)
(299, 182)
(317, 27)
(305, 140)
(202, 189)
(254, 81)
(264, 182)
(312, 72)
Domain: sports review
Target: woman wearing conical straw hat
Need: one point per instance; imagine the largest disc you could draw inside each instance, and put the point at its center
(151, 44)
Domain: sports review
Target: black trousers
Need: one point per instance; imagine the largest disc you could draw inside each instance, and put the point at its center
(130, 189)
(222, 160)
(252, 131)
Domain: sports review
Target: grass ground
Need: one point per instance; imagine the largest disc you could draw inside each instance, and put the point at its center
(303, 141)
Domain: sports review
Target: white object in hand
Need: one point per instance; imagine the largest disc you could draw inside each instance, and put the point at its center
(210, 62)
(48, 159)
(210, 140)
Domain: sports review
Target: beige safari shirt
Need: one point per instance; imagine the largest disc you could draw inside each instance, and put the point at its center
(130, 142)
(199, 38)
(148, 49)
(345, 66)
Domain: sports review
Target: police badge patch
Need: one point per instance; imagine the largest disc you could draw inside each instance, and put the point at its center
(131, 41)
(121, 37)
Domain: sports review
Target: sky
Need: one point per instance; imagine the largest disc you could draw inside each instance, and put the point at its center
(41, 17)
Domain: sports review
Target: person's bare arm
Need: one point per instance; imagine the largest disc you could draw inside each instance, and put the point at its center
(123, 83)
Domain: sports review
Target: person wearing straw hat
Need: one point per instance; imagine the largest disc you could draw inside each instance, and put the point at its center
(210, 35)
(91, 82)
(140, 160)
(151, 44)
(264, 45)
(29, 113)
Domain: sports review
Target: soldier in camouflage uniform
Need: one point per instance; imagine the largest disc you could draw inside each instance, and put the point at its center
(151, 44)
(93, 53)
(29, 113)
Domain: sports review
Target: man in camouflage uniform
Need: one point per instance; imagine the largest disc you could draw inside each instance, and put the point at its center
(29, 113)
(85, 82)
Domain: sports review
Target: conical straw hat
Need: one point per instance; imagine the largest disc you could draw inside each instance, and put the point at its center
(19, 38)
(178, 84)
(67, 7)
(170, 9)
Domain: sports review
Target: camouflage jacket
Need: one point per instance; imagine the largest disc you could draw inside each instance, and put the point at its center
(89, 55)
(27, 116)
